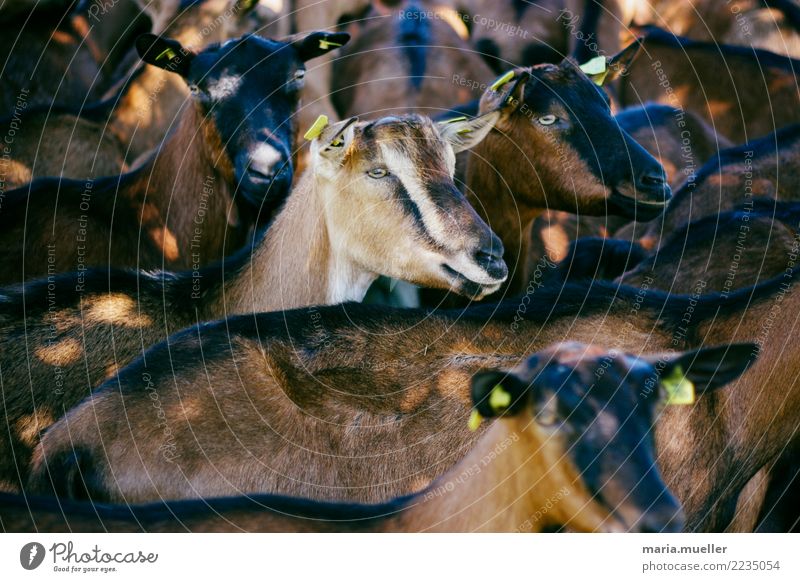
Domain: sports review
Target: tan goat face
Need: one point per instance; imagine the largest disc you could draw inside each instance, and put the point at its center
(393, 208)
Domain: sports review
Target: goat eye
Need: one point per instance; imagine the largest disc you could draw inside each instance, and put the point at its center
(378, 173)
(194, 89)
(299, 74)
(548, 119)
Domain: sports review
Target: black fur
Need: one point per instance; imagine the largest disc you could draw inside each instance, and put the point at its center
(597, 258)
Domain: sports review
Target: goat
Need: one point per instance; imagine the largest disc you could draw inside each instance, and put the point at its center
(543, 154)
(193, 200)
(549, 437)
(755, 94)
(57, 54)
(311, 15)
(378, 199)
(766, 167)
(342, 350)
(724, 252)
(405, 62)
(681, 141)
(541, 32)
(754, 23)
(47, 59)
(110, 137)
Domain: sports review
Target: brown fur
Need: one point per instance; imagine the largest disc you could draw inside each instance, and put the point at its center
(719, 254)
(743, 22)
(532, 478)
(681, 140)
(351, 369)
(659, 130)
(75, 146)
(151, 213)
(553, 23)
(741, 96)
(519, 172)
(47, 60)
(372, 75)
(767, 167)
(337, 232)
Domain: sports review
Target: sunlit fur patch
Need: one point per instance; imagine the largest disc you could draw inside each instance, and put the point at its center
(114, 308)
(29, 426)
(166, 241)
(63, 353)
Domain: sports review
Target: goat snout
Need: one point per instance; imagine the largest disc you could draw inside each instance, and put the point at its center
(653, 186)
(490, 258)
(265, 175)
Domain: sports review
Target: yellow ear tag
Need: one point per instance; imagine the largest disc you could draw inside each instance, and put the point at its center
(596, 69)
(502, 81)
(326, 44)
(464, 130)
(679, 389)
(316, 128)
(462, 118)
(167, 53)
(475, 420)
(499, 399)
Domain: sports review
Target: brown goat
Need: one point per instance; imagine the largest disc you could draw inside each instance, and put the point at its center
(742, 93)
(743, 22)
(548, 443)
(681, 141)
(47, 59)
(375, 378)
(378, 199)
(106, 139)
(508, 33)
(406, 61)
(719, 254)
(769, 167)
(544, 154)
(198, 197)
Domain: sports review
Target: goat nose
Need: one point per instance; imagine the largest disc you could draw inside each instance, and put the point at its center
(654, 180)
(490, 258)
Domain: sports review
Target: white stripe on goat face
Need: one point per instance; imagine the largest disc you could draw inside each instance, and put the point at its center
(264, 158)
(225, 87)
(401, 165)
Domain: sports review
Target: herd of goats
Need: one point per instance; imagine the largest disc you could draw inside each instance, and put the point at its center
(449, 265)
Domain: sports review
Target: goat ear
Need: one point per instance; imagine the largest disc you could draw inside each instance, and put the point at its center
(702, 370)
(463, 133)
(318, 43)
(496, 392)
(603, 70)
(333, 141)
(619, 64)
(164, 53)
(507, 93)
